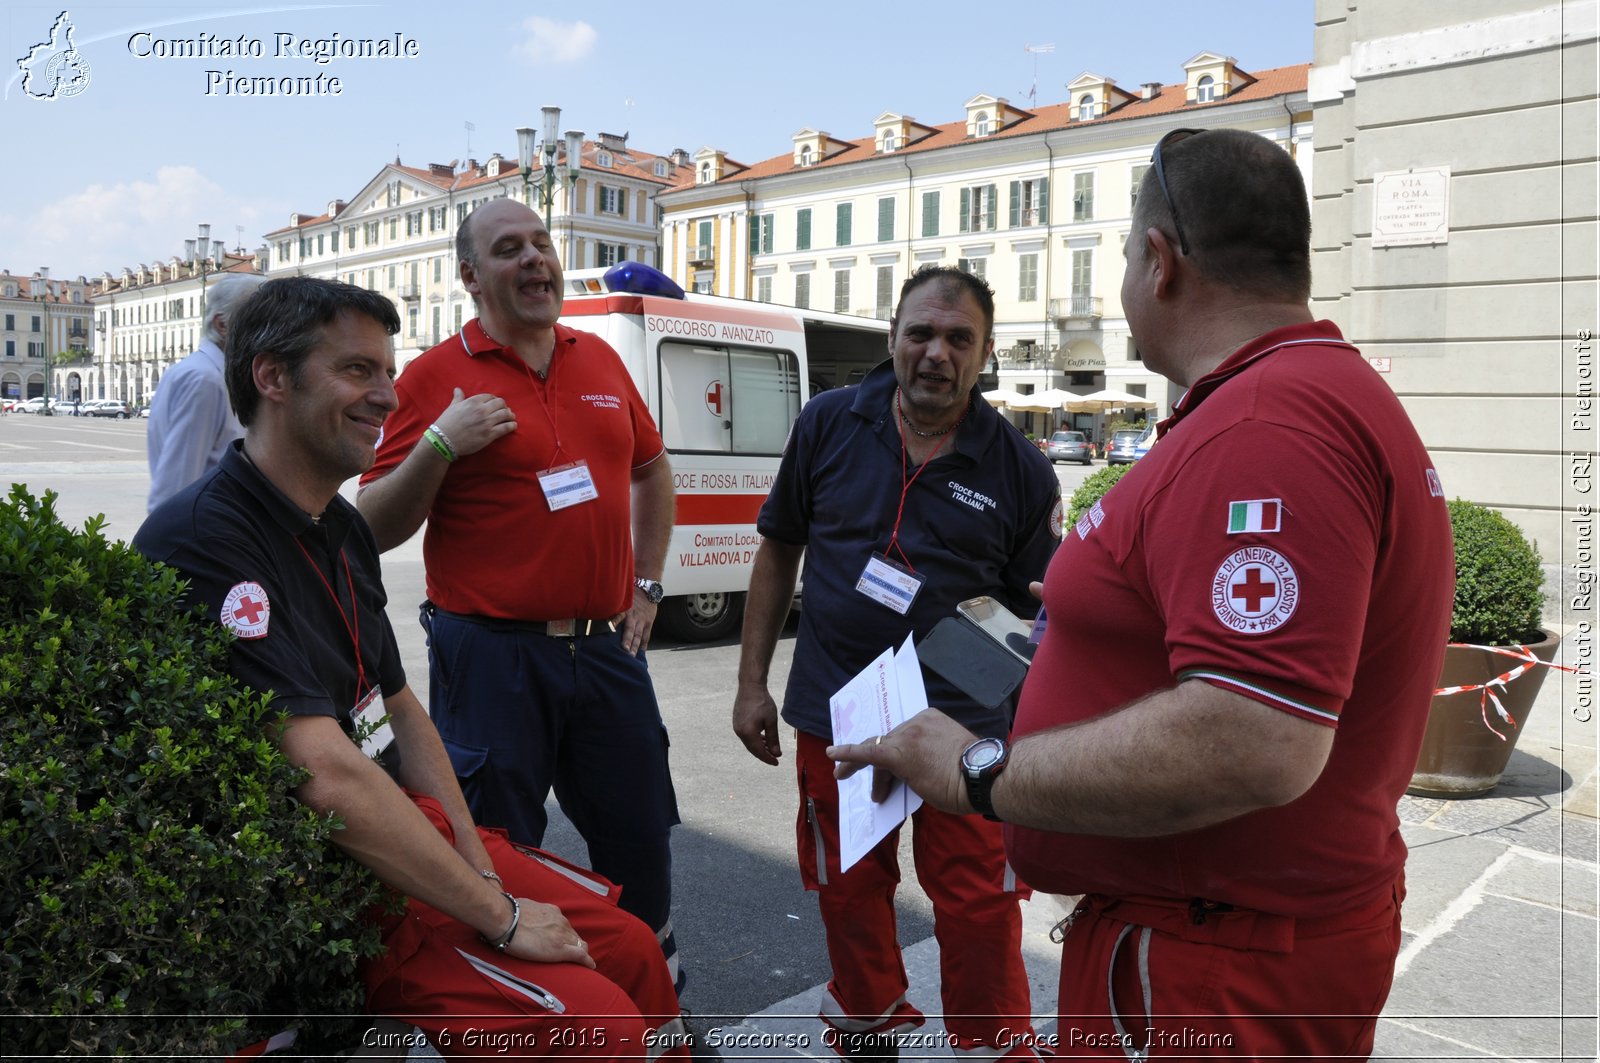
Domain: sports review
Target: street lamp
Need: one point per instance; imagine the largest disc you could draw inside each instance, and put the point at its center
(42, 296)
(550, 178)
(202, 252)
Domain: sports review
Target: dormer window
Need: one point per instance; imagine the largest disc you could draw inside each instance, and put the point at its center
(980, 124)
(660, 168)
(602, 158)
(888, 143)
(1205, 89)
(1086, 109)
(805, 155)
(705, 173)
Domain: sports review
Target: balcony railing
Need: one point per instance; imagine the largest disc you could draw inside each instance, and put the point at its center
(700, 255)
(410, 291)
(1076, 311)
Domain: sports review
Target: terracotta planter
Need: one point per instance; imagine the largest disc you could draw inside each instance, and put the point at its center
(1462, 756)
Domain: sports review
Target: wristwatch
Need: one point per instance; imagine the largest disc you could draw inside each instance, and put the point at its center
(653, 591)
(981, 764)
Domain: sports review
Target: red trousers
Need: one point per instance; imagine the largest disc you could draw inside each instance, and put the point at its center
(474, 1001)
(1229, 984)
(961, 865)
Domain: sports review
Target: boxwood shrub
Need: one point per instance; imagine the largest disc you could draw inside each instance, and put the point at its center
(161, 893)
(1094, 486)
(1499, 584)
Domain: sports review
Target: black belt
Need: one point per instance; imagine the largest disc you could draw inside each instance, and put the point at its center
(570, 628)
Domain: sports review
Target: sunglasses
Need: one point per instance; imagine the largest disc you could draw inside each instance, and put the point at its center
(1161, 179)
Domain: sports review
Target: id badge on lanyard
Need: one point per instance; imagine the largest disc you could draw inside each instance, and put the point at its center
(368, 713)
(568, 485)
(889, 583)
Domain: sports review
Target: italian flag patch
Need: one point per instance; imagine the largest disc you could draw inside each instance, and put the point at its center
(1255, 515)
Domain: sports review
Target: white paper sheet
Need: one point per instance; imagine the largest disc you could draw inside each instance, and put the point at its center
(885, 694)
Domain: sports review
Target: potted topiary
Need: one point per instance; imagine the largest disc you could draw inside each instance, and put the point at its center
(1494, 663)
(162, 894)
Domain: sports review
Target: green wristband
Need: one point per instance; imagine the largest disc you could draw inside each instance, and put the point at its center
(440, 442)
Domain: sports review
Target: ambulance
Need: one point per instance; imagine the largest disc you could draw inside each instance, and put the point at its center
(724, 379)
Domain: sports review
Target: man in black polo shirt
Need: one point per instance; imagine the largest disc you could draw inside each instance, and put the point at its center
(512, 941)
(911, 487)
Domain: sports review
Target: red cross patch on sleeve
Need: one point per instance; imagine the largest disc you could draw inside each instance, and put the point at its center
(245, 611)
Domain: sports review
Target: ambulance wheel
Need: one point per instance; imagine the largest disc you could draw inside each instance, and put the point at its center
(701, 617)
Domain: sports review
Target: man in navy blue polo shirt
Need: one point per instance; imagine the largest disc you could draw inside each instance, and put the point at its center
(913, 477)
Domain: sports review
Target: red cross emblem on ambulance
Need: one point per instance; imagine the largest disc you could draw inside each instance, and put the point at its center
(1254, 591)
(716, 396)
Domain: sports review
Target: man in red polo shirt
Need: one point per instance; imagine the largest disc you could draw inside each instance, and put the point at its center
(1216, 766)
(548, 498)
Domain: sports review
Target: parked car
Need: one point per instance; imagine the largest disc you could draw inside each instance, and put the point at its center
(106, 408)
(1068, 446)
(36, 405)
(1124, 449)
(1146, 441)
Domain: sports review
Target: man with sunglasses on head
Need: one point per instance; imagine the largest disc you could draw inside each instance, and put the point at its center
(1215, 767)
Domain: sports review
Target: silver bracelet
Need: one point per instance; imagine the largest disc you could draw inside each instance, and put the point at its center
(492, 877)
(500, 943)
(438, 434)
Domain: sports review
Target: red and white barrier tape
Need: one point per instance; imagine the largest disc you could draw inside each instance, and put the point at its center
(1487, 695)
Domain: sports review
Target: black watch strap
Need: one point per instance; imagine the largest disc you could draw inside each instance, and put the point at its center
(981, 764)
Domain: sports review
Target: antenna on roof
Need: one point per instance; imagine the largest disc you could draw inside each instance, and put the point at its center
(1036, 50)
(470, 128)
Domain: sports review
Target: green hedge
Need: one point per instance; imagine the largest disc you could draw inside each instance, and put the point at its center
(1499, 584)
(161, 893)
(1095, 485)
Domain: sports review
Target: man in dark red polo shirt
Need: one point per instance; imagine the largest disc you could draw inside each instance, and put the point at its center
(1216, 765)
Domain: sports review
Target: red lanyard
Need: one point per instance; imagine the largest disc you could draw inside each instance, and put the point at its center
(905, 484)
(545, 403)
(352, 623)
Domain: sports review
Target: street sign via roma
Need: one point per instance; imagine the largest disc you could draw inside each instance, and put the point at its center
(1411, 207)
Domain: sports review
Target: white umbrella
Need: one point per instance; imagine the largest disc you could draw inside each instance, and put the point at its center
(1002, 397)
(1056, 398)
(1037, 403)
(1107, 399)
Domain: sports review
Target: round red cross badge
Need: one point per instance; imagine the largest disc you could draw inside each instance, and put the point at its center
(1255, 591)
(245, 611)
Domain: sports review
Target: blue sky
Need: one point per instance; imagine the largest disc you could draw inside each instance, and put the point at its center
(121, 172)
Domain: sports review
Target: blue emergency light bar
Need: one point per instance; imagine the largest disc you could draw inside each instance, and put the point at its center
(636, 278)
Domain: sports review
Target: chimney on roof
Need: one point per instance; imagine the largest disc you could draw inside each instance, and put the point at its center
(440, 169)
(472, 165)
(1149, 90)
(680, 157)
(613, 142)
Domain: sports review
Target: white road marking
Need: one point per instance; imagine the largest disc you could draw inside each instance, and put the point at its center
(95, 446)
